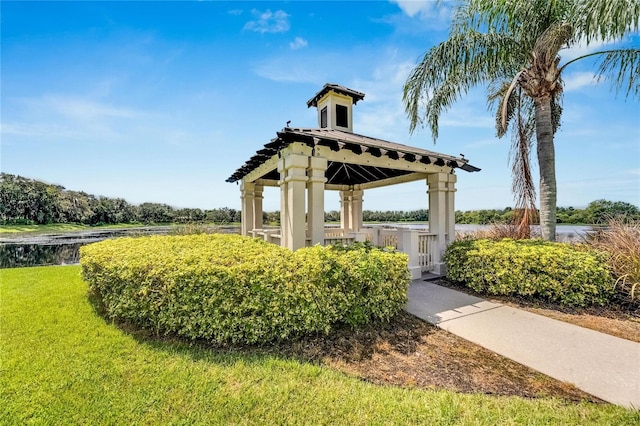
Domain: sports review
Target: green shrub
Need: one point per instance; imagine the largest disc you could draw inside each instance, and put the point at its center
(557, 272)
(227, 288)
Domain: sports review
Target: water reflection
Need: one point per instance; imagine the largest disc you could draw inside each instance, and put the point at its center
(19, 255)
(64, 249)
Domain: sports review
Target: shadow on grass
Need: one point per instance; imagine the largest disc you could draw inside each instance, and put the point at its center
(404, 351)
(402, 334)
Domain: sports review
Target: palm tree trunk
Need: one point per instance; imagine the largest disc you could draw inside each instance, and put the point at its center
(547, 164)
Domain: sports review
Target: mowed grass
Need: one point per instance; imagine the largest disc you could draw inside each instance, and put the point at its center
(61, 363)
(59, 228)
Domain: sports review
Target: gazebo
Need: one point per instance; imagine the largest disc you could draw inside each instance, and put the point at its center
(305, 162)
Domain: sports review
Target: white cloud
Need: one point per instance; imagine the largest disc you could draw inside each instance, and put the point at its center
(578, 80)
(84, 109)
(67, 117)
(415, 7)
(298, 43)
(268, 22)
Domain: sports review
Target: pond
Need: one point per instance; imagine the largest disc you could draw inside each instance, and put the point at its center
(64, 249)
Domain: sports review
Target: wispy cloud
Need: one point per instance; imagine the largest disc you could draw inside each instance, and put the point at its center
(268, 22)
(419, 16)
(416, 7)
(298, 43)
(83, 109)
(578, 80)
(68, 117)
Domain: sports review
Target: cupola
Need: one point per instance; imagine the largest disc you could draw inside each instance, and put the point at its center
(334, 104)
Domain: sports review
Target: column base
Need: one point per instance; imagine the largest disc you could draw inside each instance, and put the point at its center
(440, 269)
(416, 272)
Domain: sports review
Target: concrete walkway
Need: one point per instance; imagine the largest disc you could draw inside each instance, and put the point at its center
(605, 366)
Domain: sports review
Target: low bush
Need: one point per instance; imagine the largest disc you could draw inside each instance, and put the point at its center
(570, 275)
(232, 289)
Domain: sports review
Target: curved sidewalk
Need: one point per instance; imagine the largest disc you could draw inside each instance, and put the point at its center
(605, 366)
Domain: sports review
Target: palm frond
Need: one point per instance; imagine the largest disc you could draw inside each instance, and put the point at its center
(605, 19)
(522, 186)
(528, 19)
(624, 68)
(454, 66)
(621, 66)
(499, 99)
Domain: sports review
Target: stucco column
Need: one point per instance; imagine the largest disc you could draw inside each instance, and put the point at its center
(356, 210)
(345, 211)
(451, 208)
(437, 217)
(257, 207)
(408, 240)
(315, 193)
(282, 183)
(296, 180)
(246, 195)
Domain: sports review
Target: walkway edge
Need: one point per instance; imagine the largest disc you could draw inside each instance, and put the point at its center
(605, 366)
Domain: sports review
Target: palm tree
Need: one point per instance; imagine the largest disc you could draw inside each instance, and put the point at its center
(512, 48)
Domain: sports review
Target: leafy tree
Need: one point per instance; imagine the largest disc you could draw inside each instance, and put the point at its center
(155, 213)
(601, 211)
(512, 47)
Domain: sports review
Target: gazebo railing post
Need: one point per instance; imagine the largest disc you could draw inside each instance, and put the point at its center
(408, 243)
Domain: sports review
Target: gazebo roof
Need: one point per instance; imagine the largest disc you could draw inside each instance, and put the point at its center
(354, 94)
(345, 173)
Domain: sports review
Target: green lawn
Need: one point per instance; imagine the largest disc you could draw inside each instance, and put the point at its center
(63, 364)
(58, 228)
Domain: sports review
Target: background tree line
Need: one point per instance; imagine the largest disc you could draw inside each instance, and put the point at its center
(28, 201)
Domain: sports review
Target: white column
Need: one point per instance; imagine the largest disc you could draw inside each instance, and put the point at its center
(408, 243)
(257, 207)
(315, 193)
(296, 180)
(246, 191)
(345, 211)
(451, 209)
(284, 213)
(437, 217)
(356, 210)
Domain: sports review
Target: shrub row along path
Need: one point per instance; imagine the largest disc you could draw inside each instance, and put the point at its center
(602, 365)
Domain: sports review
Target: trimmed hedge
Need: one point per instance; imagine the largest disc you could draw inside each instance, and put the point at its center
(232, 289)
(570, 275)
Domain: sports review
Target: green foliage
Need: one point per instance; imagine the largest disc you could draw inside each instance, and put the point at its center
(64, 365)
(557, 272)
(603, 211)
(227, 288)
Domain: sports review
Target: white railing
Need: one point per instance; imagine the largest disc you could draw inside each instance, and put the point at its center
(427, 246)
(345, 240)
(422, 247)
(269, 235)
(388, 238)
(333, 232)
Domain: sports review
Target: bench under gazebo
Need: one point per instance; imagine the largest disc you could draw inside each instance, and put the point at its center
(305, 162)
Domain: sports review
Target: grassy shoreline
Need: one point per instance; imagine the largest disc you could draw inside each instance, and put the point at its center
(61, 228)
(64, 364)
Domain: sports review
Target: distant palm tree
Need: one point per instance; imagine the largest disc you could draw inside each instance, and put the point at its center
(512, 47)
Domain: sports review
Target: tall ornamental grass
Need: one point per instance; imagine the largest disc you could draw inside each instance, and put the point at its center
(621, 240)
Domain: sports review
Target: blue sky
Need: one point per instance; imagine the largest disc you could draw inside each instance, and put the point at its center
(162, 101)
